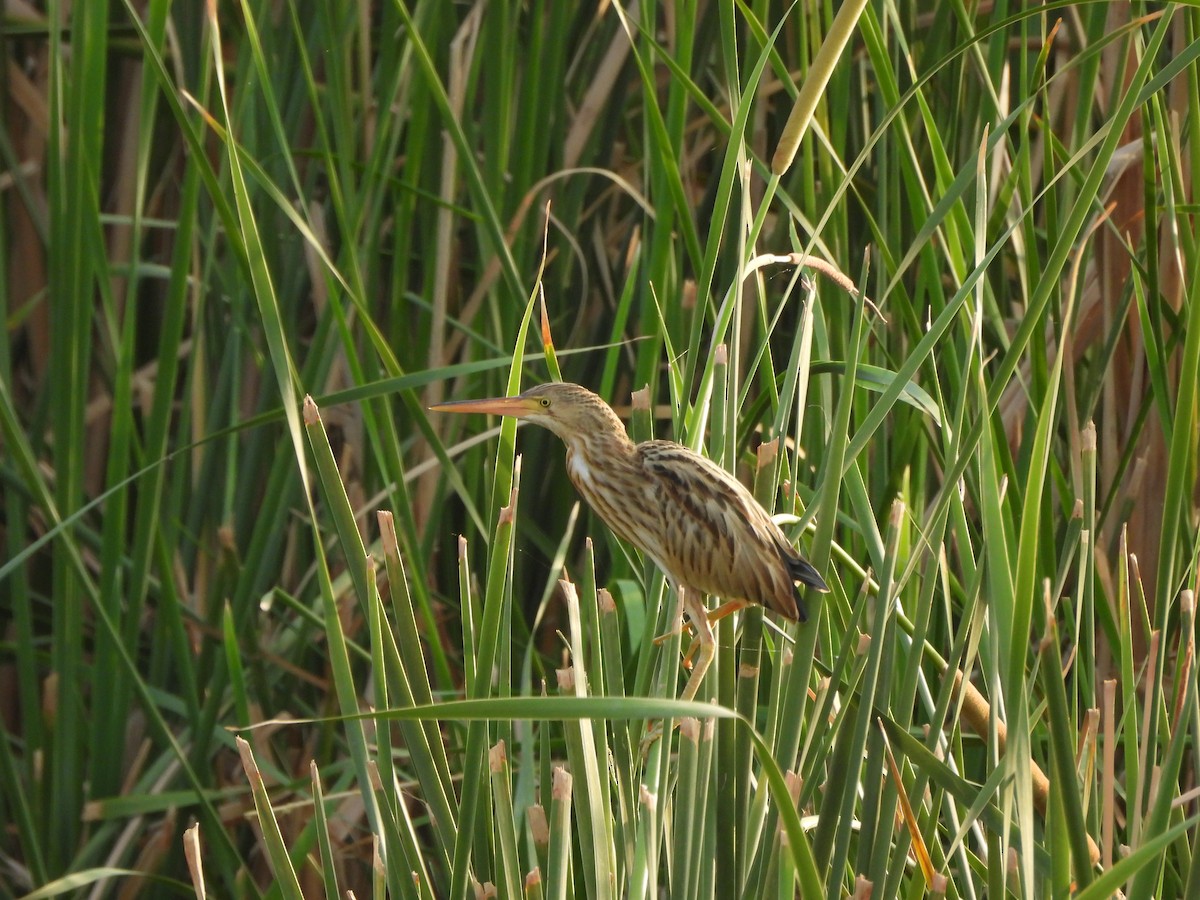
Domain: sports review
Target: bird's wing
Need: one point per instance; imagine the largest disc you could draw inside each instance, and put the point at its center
(713, 535)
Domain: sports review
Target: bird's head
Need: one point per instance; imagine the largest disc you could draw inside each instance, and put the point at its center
(572, 412)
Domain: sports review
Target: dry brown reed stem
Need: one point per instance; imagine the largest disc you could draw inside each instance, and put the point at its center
(977, 712)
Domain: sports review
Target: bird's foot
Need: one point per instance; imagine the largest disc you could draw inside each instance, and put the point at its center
(654, 733)
(683, 626)
(661, 639)
(677, 622)
(691, 651)
(680, 627)
(692, 647)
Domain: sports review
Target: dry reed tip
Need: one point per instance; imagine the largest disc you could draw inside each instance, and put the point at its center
(191, 850)
(566, 678)
(539, 827)
(560, 784)
(248, 763)
(497, 757)
(312, 415)
(767, 453)
(387, 533)
(547, 337)
(605, 601)
(689, 728)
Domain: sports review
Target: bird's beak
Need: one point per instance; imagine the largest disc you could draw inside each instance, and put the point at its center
(495, 406)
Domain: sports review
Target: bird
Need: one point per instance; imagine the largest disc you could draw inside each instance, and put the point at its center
(696, 521)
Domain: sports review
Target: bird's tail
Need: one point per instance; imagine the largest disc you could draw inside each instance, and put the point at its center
(801, 572)
(804, 573)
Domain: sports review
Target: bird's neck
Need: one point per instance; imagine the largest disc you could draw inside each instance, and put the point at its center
(587, 451)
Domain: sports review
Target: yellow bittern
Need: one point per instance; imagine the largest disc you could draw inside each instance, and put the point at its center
(698, 523)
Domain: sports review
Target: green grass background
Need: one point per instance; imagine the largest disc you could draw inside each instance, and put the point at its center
(209, 211)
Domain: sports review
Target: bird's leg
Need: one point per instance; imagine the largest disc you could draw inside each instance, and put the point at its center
(694, 603)
(691, 651)
(727, 609)
(716, 615)
(676, 620)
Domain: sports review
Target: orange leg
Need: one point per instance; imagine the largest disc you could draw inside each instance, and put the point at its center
(727, 609)
(716, 615)
(694, 604)
(691, 651)
(677, 624)
(691, 602)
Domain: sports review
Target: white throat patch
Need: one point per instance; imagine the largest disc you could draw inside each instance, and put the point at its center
(580, 469)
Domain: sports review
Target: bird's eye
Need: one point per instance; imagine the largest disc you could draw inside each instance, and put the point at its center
(545, 401)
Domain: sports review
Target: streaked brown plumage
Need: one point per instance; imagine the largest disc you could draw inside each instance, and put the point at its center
(698, 523)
